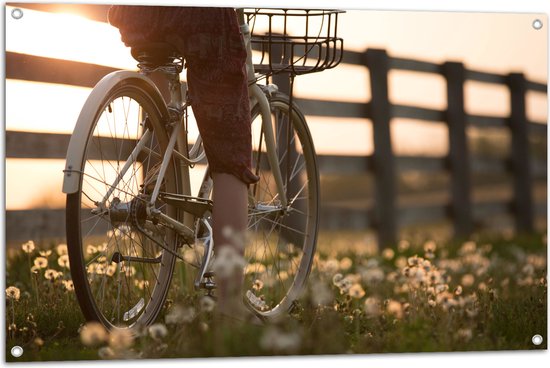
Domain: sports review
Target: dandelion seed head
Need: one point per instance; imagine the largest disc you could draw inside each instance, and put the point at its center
(51, 274)
(345, 263)
(356, 291)
(45, 253)
(320, 293)
(62, 249)
(28, 247)
(228, 261)
(13, 293)
(395, 308)
(68, 284)
(180, 314)
(276, 340)
(120, 339)
(41, 262)
(372, 307)
(63, 261)
(93, 334)
(467, 280)
(388, 254)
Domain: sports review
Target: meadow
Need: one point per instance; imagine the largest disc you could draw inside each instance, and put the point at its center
(423, 295)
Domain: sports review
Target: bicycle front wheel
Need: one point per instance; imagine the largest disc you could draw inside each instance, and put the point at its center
(121, 260)
(282, 238)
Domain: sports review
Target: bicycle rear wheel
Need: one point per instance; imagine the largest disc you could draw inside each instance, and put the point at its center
(121, 261)
(282, 239)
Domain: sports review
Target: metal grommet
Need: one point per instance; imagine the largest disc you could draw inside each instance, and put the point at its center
(537, 339)
(537, 24)
(17, 13)
(16, 351)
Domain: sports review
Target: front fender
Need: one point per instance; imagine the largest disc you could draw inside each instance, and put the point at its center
(89, 114)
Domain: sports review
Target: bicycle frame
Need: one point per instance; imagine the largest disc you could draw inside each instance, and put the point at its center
(172, 113)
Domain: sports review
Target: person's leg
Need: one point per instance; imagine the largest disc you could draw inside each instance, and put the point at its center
(230, 196)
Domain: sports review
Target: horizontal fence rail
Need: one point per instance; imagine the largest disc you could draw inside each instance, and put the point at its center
(385, 210)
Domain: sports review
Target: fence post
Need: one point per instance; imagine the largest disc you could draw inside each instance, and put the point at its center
(458, 158)
(377, 61)
(522, 204)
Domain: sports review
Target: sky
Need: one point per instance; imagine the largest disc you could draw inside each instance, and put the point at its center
(493, 42)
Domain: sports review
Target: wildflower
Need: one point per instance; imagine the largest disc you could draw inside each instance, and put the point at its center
(373, 275)
(345, 263)
(180, 314)
(90, 249)
(45, 253)
(330, 266)
(401, 262)
(51, 274)
(28, 247)
(458, 290)
(207, 304)
(430, 247)
(395, 308)
(93, 334)
(388, 254)
(158, 331)
(62, 250)
(356, 291)
(446, 300)
(372, 307)
(403, 245)
(40, 262)
(468, 280)
(68, 284)
(432, 303)
(13, 293)
(413, 261)
(38, 342)
(120, 339)
(467, 248)
(63, 261)
(337, 278)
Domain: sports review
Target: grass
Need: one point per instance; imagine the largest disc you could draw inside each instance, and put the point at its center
(421, 296)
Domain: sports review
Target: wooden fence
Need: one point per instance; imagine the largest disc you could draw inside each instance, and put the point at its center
(384, 214)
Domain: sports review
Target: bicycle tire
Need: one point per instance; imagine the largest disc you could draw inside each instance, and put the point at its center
(112, 288)
(271, 292)
(258, 292)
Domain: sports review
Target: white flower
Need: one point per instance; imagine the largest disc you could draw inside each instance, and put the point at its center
(356, 291)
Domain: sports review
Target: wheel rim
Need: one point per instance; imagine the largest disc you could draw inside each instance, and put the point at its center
(122, 275)
(281, 242)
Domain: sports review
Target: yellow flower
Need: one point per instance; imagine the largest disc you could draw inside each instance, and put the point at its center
(28, 247)
(258, 285)
(40, 262)
(13, 293)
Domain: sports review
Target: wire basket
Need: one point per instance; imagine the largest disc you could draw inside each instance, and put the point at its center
(295, 41)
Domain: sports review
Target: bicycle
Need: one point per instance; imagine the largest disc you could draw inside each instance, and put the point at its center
(130, 211)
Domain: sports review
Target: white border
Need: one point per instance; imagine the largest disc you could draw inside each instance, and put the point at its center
(516, 359)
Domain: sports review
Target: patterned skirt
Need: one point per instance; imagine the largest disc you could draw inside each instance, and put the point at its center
(213, 48)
